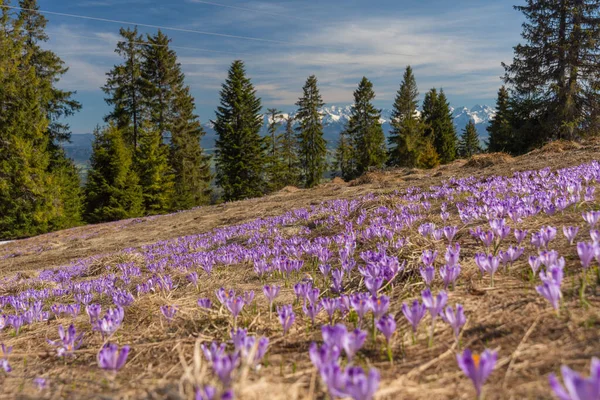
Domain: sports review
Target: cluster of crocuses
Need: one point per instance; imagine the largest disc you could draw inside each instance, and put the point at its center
(247, 350)
(343, 381)
(382, 233)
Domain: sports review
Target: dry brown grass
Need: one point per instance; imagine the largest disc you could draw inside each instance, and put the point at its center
(511, 317)
(488, 160)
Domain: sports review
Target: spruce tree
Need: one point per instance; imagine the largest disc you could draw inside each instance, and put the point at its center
(125, 88)
(312, 144)
(289, 154)
(190, 164)
(444, 139)
(162, 79)
(407, 135)
(429, 113)
(155, 175)
(556, 71)
(440, 128)
(469, 141)
(345, 159)
(240, 157)
(365, 130)
(501, 132)
(57, 104)
(112, 190)
(275, 163)
(26, 202)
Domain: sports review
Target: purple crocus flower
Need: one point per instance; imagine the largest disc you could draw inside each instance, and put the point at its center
(301, 290)
(449, 274)
(312, 310)
(456, 319)
(205, 303)
(213, 351)
(337, 276)
(477, 367)
(428, 274)
(93, 311)
(435, 305)
(570, 232)
(360, 304)
(41, 383)
(193, 278)
(535, 263)
(333, 335)
(586, 253)
(577, 387)
(168, 312)
(414, 314)
(286, 317)
(488, 263)
(429, 257)
(373, 285)
(69, 341)
(6, 350)
(387, 326)
(437, 234)
(248, 297)
(110, 358)
(353, 341)
(550, 290)
(271, 292)
(450, 232)
(360, 386)
(591, 217)
(595, 235)
(224, 366)
(235, 306)
(520, 235)
(379, 305)
(452, 254)
(330, 305)
(323, 355)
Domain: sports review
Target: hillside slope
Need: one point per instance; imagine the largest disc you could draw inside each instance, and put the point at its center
(510, 317)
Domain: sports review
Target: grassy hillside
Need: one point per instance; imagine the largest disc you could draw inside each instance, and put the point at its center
(151, 259)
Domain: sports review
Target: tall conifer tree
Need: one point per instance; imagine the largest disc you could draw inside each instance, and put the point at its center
(440, 128)
(558, 66)
(289, 154)
(469, 141)
(26, 201)
(312, 144)
(240, 153)
(155, 174)
(275, 161)
(444, 139)
(365, 130)
(57, 104)
(407, 135)
(170, 109)
(112, 190)
(125, 88)
(345, 159)
(188, 160)
(501, 132)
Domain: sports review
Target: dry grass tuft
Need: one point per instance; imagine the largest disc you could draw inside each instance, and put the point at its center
(488, 160)
(558, 146)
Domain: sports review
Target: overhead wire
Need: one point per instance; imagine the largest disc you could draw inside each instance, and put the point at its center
(169, 28)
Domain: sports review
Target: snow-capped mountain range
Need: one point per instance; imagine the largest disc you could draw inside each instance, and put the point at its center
(335, 118)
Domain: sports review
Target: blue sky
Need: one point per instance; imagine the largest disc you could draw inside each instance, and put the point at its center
(457, 45)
